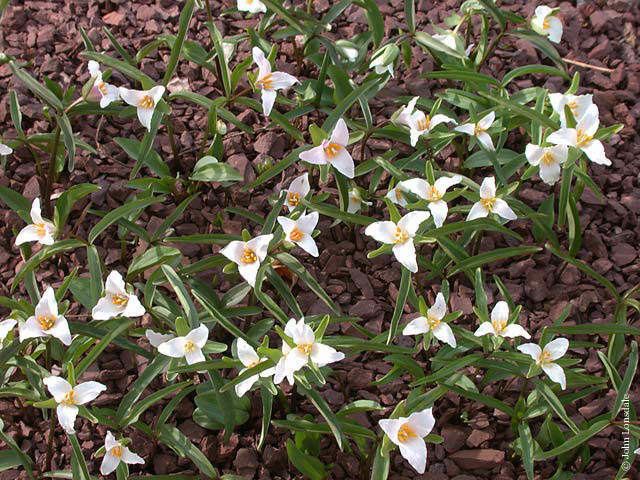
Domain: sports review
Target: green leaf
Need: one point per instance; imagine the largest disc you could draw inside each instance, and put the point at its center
(325, 411)
(208, 169)
(381, 462)
(176, 49)
(216, 38)
(153, 257)
(374, 19)
(286, 14)
(16, 202)
(69, 141)
(629, 374)
(183, 295)
(526, 444)
(311, 467)
(533, 69)
(556, 405)
(129, 208)
(123, 67)
(16, 113)
(410, 15)
(518, 109)
(175, 439)
(152, 160)
(403, 293)
(36, 88)
(80, 469)
(44, 254)
(119, 326)
(67, 199)
(154, 368)
(575, 441)
(131, 415)
(481, 259)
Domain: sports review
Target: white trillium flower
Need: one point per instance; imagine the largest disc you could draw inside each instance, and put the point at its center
(418, 122)
(251, 6)
(355, 200)
(397, 195)
(433, 194)
(581, 137)
(248, 255)
(298, 189)
(5, 149)
(108, 93)
(46, 321)
(408, 433)
(5, 327)
(333, 151)
(578, 104)
(499, 325)
(383, 59)
(270, 82)
(400, 235)
(249, 358)
(116, 452)
(68, 398)
(544, 358)
(299, 231)
(479, 130)
(545, 22)
(306, 349)
(145, 102)
(549, 159)
(433, 323)
(190, 346)
(156, 339)
(40, 230)
(117, 301)
(489, 203)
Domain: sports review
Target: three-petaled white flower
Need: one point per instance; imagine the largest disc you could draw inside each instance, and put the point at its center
(117, 301)
(68, 398)
(355, 200)
(5, 149)
(433, 194)
(298, 189)
(408, 433)
(305, 349)
(544, 358)
(40, 230)
(418, 122)
(251, 6)
(248, 255)
(545, 22)
(433, 323)
(145, 102)
(400, 235)
(299, 231)
(5, 327)
(578, 105)
(46, 321)
(333, 151)
(499, 325)
(156, 339)
(249, 358)
(489, 203)
(190, 346)
(581, 137)
(549, 159)
(479, 130)
(116, 452)
(270, 82)
(108, 93)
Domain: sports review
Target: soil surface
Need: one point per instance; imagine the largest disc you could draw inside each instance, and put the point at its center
(602, 33)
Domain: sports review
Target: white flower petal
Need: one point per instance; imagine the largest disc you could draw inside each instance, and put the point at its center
(554, 32)
(110, 441)
(198, 335)
(533, 153)
(416, 326)
(467, 128)
(131, 458)
(478, 210)
(564, 136)
(417, 186)
(30, 329)
(67, 417)
(132, 97)
(307, 223)
(282, 80)
(422, 422)
(343, 162)
(145, 115)
(60, 330)
(595, 152)
(530, 349)
(36, 216)
(106, 309)
(246, 354)
(30, 233)
(173, 348)
(514, 330)
(5, 327)
(485, 328)
(502, 208)
(234, 250)
(382, 231)
(315, 156)
(439, 210)
(414, 450)
(485, 122)
(58, 387)
(485, 140)
(500, 312)
(390, 427)
(134, 308)
(115, 284)
(322, 354)
(308, 244)
(263, 64)
(268, 100)
(557, 348)
(444, 333)
(87, 391)
(109, 463)
(550, 173)
(194, 356)
(405, 253)
(555, 373)
(439, 307)
(155, 339)
(411, 221)
(249, 272)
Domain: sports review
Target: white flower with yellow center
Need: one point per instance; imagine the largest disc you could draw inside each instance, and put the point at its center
(68, 398)
(400, 235)
(249, 358)
(299, 231)
(298, 189)
(5, 149)
(251, 6)
(108, 93)
(156, 339)
(544, 358)
(408, 434)
(418, 122)
(248, 255)
(333, 151)
(305, 349)
(270, 82)
(355, 200)
(489, 203)
(116, 452)
(578, 104)
(545, 22)
(433, 194)
(40, 230)
(433, 323)
(117, 301)
(190, 346)
(582, 137)
(145, 102)
(549, 160)
(499, 325)
(46, 321)
(479, 130)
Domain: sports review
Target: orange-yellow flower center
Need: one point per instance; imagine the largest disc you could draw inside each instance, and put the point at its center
(547, 159)
(46, 321)
(293, 198)
(400, 235)
(546, 24)
(499, 325)
(432, 321)
(116, 451)
(488, 203)
(399, 194)
(573, 106)
(69, 398)
(545, 358)
(41, 229)
(146, 102)
(296, 234)
(332, 149)
(424, 123)
(477, 129)
(583, 138)
(305, 348)
(266, 82)
(119, 299)
(189, 346)
(434, 194)
(248, 256)
(102, 87)
(405, 432)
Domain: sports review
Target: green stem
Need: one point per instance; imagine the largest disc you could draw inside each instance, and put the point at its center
(50, 178)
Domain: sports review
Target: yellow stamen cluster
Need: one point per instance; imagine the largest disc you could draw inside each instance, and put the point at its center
(400, 235)
(293, 198)
(296, 234)
(116, 451)
(477, 129)
(69, 398)
(547, 159)
(399, 194)
(434, 194)
(573, 106)
(583, 138)
(46, 321)
(499, 325)
(305, 348)
(432, 321)
(248, 256)
(405, 432)
(545, 358)
(189, 346)
(119, 299)
(488, 203)
(546, 24)
(266, 82)
(146, 102)
(424, 123)
(332, 149)
(102, 87)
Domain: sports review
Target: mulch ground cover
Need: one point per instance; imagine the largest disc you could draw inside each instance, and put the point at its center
(602, 34)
